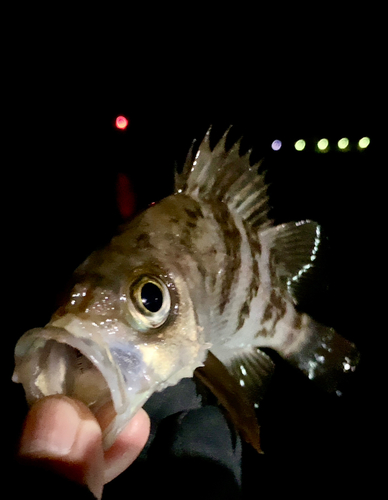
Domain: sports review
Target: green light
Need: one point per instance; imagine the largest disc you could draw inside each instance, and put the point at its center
(343, 143)
(322, 144)
(364, 142)
(300, 145)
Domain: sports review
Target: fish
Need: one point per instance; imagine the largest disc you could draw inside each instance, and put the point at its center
(202, 283)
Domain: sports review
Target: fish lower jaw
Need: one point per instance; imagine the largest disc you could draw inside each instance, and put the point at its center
(51, 361)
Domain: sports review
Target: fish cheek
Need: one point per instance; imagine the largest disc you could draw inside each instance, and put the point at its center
(177, 349)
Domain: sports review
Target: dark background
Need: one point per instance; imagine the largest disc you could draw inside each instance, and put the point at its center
(272, 78)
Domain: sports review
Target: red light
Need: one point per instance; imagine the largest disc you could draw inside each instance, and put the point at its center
(121, 122)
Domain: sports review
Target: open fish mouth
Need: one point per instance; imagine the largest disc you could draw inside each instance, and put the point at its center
(52, 360)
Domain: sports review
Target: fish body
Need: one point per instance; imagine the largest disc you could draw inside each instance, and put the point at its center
(203, 270)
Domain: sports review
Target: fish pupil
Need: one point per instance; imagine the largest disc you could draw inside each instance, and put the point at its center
(151, 297)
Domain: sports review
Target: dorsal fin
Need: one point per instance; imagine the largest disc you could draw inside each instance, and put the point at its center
(226, 176)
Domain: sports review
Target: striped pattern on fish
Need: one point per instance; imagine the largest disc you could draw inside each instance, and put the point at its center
(194, 285)
(255, 302)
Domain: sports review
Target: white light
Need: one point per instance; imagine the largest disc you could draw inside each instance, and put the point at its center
(276, 145)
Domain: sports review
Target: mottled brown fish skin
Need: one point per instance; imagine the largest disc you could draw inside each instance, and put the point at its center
(232, 244)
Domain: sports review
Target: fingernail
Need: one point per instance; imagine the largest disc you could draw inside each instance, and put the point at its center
(50, 429)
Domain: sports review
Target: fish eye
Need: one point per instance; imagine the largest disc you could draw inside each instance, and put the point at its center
(151, 297)
(149, 303)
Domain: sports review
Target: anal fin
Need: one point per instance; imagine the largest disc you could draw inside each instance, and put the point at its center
(253, 371)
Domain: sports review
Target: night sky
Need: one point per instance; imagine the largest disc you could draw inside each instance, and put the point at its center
(62, 156)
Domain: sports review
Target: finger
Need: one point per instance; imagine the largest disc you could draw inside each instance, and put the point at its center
(127, 446)
(63, 435)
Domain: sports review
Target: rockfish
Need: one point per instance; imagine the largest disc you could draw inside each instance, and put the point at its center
(196, 284)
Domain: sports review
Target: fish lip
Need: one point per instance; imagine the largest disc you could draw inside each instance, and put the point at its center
(32, 360)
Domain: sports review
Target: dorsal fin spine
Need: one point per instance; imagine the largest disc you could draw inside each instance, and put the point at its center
(200, 164)
(256, 208)
(227, 177)
(181, 178)
(248, 194)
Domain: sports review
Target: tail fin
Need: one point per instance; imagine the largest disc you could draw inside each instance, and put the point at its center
(325, 357)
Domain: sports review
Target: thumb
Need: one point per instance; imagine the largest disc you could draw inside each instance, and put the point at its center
(63, 435)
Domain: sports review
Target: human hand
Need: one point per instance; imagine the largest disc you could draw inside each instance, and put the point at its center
(63, 435)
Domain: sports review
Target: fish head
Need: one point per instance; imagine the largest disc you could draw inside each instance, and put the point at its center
(127, 328)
